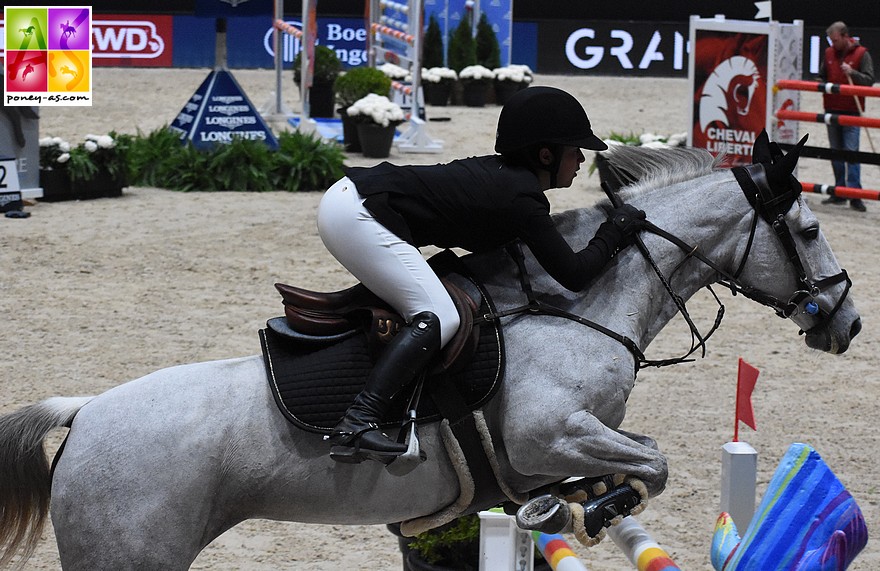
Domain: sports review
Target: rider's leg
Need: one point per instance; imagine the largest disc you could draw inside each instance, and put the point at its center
(395, 271)
(407, 354)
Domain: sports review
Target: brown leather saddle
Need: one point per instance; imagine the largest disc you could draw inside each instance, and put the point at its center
(331, 314)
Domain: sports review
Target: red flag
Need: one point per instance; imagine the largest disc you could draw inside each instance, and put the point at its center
(747, 375)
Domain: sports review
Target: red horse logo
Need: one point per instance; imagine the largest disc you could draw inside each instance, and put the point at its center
(729, 91)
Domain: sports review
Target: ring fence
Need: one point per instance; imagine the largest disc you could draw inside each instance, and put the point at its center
(834, 119)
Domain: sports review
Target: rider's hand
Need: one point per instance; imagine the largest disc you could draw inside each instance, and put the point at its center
(628, 219)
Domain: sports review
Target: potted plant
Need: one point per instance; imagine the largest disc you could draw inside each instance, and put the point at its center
(451, 547)
(509, 80)
(475, 80)
(95, 168)
(351, 86)
(487, 49)
(432, 45)
(326, 69)
(437, 84)
(461, 54)
(376, 117)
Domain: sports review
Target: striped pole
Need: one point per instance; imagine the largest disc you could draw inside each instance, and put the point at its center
(557, 552)
(841, 191)
(800, 85)
(829, 118)
(288, 29)
(641, 550)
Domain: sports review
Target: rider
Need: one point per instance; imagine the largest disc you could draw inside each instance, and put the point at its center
(374, 220)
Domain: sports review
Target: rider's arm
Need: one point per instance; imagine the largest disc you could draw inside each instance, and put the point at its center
(573, 270)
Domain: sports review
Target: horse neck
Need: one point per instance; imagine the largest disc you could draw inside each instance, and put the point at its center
(709, 213)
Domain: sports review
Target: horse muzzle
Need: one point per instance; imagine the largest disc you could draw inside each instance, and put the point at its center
(823, 338)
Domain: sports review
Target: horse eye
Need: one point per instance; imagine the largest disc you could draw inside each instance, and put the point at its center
(810, 233)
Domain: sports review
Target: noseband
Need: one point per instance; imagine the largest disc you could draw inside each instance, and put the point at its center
(772, 208)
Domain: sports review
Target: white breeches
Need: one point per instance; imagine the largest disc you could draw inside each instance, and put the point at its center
(388, 266)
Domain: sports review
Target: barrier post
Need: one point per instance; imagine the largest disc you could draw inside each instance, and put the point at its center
(395, 36)
(739, 474)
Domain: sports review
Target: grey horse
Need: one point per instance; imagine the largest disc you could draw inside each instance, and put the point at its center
(153, 470)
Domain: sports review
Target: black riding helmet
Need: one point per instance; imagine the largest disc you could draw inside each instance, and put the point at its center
(544, 115)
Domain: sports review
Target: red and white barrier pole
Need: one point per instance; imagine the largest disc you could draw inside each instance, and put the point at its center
(800, 85)
(841, 191)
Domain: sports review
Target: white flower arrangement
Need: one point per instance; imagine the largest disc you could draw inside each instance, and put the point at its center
(376, 109)
(476, 73)
(438, 75)
(394, 71)
(95, 153)
(54, 151)
(513, 73)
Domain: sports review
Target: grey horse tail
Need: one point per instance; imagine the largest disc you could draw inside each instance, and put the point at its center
(25, 478)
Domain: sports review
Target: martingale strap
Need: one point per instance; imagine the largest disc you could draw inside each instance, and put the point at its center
(536, 307)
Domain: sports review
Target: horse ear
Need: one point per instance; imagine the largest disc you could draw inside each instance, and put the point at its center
(761, 149)
(789, 161)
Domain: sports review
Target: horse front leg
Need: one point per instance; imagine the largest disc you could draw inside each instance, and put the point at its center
(619, 470)
(581, 445)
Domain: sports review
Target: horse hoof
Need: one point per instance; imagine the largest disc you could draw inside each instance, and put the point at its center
(602, 512)
(547, 514)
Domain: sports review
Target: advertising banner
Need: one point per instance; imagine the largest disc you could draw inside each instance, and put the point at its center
(123, 40)
(729, 75)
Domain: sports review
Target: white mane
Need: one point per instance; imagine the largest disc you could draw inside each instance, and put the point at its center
(646, 168)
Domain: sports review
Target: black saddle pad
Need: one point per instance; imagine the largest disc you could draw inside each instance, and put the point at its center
(315, 381)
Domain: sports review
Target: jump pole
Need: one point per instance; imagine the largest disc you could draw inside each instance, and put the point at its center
(829, 118)
(403, 27)
(800, 85)
(642, 551)
(841, 191)
(306, 38)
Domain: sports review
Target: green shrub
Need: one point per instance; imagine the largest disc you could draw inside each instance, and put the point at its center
(359, 82)
(432, 45)
(487, 48)
(148, 156)
(462, 49)
(455, 545)
(327, 66)
(302, 162)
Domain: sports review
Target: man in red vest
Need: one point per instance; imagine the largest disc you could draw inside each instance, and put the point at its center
(845, 62)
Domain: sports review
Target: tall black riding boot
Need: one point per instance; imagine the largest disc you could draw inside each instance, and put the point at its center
(357, 437)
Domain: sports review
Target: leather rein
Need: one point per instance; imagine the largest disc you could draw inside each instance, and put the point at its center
(767, 205)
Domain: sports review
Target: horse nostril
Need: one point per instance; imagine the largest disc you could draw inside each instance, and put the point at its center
(856, 328)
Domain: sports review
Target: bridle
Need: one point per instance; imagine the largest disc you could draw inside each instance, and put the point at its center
(767, 205)
(772, 208)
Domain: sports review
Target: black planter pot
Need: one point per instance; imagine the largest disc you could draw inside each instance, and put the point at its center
(504, 90)
(437, 93)
(376, 141)
(57, 186)
(321, 100)
(474, 93)
(351, 140)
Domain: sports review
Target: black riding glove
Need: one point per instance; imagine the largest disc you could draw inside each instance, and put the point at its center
(629, 220)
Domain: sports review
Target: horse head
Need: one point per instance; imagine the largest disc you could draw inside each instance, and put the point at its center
(815, 295)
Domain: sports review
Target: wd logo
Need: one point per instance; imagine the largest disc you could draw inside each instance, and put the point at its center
(126, 39)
